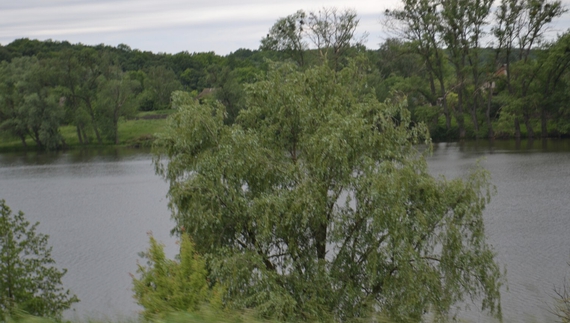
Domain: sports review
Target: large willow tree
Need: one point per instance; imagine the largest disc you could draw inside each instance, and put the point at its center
(317, 204)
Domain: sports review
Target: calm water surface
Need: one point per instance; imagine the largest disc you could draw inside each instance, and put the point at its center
(98, 206)
(527, 221)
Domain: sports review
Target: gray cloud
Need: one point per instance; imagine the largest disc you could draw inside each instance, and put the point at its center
(170, 25)
(160, 26)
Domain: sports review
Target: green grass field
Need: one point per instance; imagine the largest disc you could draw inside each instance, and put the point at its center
(136, 132)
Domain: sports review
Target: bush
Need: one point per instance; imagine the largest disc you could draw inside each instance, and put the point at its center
(29, 280)
(167, 285)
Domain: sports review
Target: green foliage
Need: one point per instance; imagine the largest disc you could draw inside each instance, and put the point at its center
(159, 83)
(116, 98)
(436, 52)
(29, 280)
(287, 35)
(316, 204)
(167, 285)
(518, 28)
(397, 57)
(230, 90)
(328, 32)
(21, 317)
(28, 104)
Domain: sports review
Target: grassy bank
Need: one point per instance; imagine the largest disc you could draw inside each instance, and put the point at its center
(135, 132)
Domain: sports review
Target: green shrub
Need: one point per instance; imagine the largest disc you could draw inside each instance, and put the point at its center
(29, 281)
(167, 285)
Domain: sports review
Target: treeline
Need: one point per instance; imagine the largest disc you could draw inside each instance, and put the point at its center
(518, 86)
(438, 58)
(46, 84)
(468, 68)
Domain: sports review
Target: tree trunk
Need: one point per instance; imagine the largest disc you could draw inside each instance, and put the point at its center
(116, 124)
(78, 128)
(23, 138)
(93, 121)
(36, 138)
(491, 133)
(529, 130)
(116, 127)
(99, 140)
(517, 128)
(543, 125)
(447, 116)
(85, 137)
(9, 279)
(459, 115)
(446, 111)
(321, 241)
(432, 85)
(474, 117)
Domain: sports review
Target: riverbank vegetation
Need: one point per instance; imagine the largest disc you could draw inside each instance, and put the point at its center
(484, 72)
(137, 131)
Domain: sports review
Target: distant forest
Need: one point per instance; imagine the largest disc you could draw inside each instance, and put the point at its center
(461, 90)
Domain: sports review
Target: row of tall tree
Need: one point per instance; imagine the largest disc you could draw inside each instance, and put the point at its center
(468, 68)
(44, 85)
(84, 88)
(521, 79)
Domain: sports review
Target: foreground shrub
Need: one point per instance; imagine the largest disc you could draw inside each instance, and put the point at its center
(166, 285)
(29, 280)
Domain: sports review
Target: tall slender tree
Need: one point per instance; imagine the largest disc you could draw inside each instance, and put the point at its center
(521, 25)
(116, 99)
(288, 35)
(330, 32)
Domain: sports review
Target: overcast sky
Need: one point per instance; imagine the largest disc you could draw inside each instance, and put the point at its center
(172, 26)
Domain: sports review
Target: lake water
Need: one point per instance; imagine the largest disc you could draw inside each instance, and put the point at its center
(527, 221)
(98, 205)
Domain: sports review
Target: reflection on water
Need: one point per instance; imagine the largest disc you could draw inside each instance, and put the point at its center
(94, 155)
(526, 146)
(97, 205)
